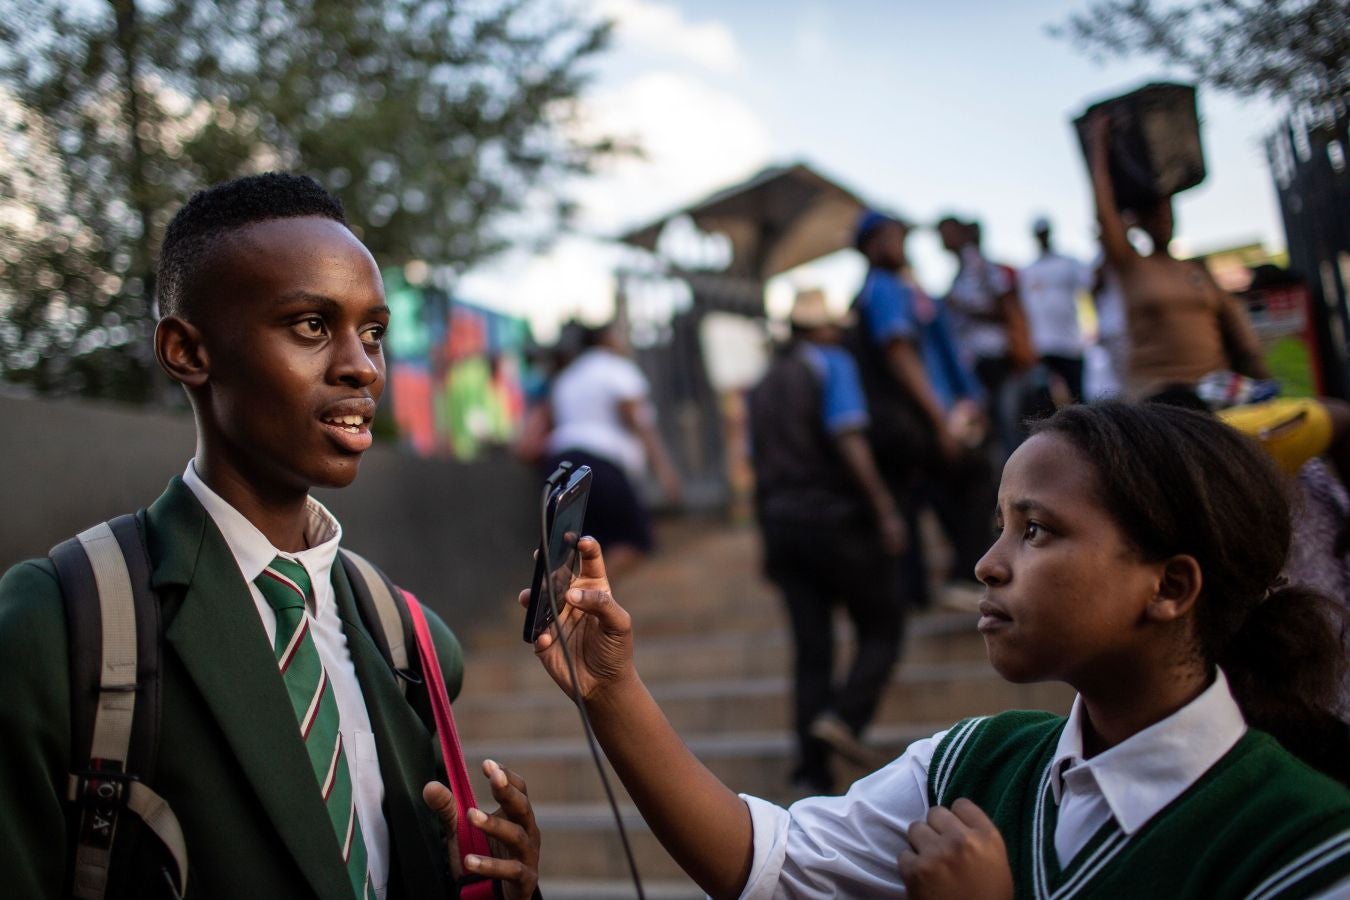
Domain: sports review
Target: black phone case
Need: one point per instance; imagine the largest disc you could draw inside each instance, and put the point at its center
(540, 614)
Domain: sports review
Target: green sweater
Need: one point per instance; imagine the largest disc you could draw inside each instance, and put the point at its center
(1258, 824)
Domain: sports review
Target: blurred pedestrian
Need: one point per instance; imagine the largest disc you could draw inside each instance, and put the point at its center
(832, 536)
(926, 404)
(1191, 342)
(602, 417)
(1049, 289)
(991, 326)
(1112, 349)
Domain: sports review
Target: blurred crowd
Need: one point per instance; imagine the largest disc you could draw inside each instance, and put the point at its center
(870, 427)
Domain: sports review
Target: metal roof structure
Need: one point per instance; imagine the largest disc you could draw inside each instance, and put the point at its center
(779, 219)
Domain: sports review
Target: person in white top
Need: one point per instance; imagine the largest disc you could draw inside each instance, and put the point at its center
(1105, 375)
(1049, 288)
(602, 417)
(990, 326)
(1138, 560)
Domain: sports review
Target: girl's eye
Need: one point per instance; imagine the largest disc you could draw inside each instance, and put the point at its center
(1033, 531)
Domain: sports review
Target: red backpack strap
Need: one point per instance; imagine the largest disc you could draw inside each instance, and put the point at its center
(471, 839)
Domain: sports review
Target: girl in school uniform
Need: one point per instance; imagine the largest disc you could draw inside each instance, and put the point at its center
(1138, 560)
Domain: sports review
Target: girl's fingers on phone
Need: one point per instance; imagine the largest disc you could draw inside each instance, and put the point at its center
(600, 603)
(592, 560)
(524, 599)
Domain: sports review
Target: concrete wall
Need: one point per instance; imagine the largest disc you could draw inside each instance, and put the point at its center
(458, 536)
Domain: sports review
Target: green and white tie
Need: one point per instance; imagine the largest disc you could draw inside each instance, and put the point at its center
(285, 585)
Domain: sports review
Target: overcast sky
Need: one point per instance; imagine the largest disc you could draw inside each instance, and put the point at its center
(922, 107)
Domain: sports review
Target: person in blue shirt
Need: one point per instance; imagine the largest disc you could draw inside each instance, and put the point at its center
(832, 536)
(912, 332)
(927, 423)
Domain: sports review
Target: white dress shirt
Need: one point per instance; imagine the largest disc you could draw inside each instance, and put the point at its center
(254, 552)
(824, 847)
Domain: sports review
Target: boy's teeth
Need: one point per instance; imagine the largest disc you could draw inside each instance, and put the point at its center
(346, 420)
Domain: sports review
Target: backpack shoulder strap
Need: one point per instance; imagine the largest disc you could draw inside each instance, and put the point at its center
(112, 622)
(382, 608)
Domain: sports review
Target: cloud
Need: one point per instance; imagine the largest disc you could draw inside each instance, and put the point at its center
(811, 40)
(695, 139)
(650, 26)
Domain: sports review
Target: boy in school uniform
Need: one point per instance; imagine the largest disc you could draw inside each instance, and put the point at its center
(294, 764)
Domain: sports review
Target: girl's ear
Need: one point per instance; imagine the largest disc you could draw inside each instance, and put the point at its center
(1178, 588)
(181, 354)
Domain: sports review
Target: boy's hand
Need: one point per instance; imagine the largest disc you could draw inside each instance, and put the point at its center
(511, 831)
(599, 632)
(956, 853)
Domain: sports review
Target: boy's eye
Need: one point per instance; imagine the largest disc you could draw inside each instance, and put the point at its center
(311, 326)
(374, 334)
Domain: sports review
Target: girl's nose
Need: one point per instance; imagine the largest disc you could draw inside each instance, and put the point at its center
(992, 570)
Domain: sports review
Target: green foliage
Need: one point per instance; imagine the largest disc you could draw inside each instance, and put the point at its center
(1292, 50)
(435, 121)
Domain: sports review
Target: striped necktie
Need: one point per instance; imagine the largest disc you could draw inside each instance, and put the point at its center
(285, 586)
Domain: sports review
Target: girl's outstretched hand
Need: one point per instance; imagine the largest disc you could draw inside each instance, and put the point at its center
(956, 853)
(598, 631)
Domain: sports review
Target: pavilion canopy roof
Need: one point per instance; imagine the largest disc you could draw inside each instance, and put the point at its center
(777, 220)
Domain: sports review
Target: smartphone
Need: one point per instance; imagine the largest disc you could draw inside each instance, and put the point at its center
(565, 513)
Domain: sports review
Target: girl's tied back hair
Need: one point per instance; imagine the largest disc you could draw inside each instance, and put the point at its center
(1177, 481)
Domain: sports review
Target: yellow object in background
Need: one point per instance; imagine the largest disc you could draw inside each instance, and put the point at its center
(1292, 429)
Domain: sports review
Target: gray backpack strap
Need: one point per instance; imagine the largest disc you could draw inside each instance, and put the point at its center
(113, 625)
(380, 606)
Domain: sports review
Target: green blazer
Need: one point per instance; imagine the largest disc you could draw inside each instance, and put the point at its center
(230, 761)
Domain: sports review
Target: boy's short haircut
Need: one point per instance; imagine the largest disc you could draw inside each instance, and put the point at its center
(206, 220)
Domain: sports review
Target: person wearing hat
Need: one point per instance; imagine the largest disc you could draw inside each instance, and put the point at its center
(1050, 287)
(832, 535)
(926, 404)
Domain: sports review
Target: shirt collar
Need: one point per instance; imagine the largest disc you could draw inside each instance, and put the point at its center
(1141, 775)
(250, 547)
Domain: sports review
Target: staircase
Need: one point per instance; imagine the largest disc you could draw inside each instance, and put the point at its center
(714, 648)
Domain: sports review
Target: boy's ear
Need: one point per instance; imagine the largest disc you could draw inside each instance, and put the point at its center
(180, 351)
(1179, 586)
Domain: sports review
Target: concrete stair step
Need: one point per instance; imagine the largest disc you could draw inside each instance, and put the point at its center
(597, 889)
(928, 692)
(931, 637)
(560, 770)
(582, 838)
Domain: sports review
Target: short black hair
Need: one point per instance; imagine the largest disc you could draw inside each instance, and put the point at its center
(208, 218)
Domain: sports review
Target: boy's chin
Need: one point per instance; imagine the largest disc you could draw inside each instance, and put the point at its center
(337, 476)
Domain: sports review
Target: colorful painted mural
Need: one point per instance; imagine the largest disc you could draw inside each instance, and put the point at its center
(455, 371)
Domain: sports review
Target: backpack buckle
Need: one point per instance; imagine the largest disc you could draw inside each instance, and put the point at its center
(101, 795)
